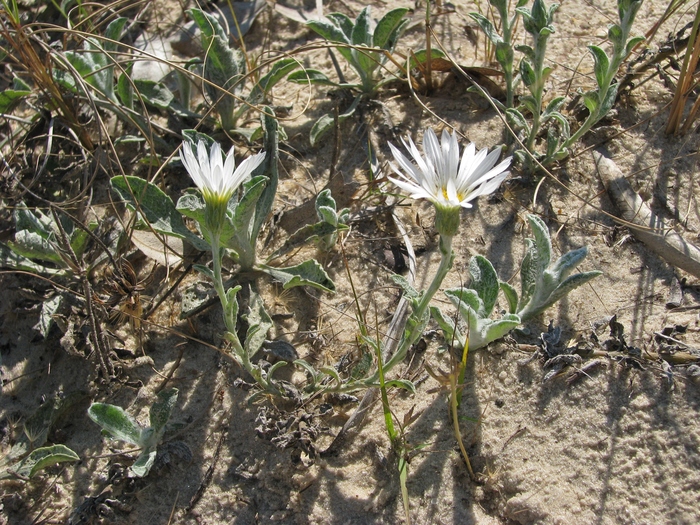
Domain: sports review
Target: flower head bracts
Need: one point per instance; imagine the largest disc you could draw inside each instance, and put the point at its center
(441, 177)
(215, 177)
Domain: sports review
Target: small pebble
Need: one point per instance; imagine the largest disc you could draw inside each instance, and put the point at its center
(280, 350)
(693, 372)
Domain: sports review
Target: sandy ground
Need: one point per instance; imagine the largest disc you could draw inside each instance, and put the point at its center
(617, 446)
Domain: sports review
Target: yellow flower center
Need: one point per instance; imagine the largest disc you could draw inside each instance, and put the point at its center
(460, 196)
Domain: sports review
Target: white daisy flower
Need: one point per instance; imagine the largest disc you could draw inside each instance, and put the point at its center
(215, 177)
(441, 177)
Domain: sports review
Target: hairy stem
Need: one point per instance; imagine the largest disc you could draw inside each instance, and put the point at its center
(414, 323)
(538, 89)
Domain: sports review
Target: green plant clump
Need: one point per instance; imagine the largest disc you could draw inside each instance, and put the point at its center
(117, 424)
(543, 283)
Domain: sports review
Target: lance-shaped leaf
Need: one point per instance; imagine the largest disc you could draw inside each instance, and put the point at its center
(153, 93)
(516, 120)
(10, 97)
(231, 306)
(602, 65)
(366, 61)
(244, 210)
(313, 375)
(34, 246)
(632, 43)
(544, 284)
(481, 330)
(277, 72)
(590, 100)
(36, 222)
(453, 336)
(269, 168)
(567, 286)
(311, 76)
(527, 73)
(49, 308)
(224, 67)
(162, 409)
(259, 324)
(404, 384)
(43, 457)
(115, 422)
(389, 29)
(487, 27)
(308, 273)
(335, 32)
(511, 296)
(155, 207)
(484, 282)
(143, 463)
(609, 101)
(409, 291)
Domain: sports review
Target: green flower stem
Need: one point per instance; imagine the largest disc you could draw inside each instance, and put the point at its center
(218, 280)
(508, 25)
(388, 419)
(538, 91)
(243, 359)
(414, 324)
(240, 354)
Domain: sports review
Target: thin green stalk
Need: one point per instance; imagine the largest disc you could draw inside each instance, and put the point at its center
(388, 419)
(538, 91)
(463, 367)
(218, 279)
(403, 477)
(508, 26)
(619, 55)
(398, 443)
(240, 353)
(414, 322)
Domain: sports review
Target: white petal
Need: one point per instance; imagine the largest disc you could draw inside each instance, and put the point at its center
(406, 165)
(488, 187)
(451, 154)
(191, 164)
(490, 174)
(203, 160)
(433, 153)
(484, 166)
(247, 167)
(230, 164)
(416, 192)
(451, 190)
(425, 166)
(467, 169)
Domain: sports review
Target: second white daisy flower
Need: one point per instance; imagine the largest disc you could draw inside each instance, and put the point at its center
(215, 177)
(441, 177)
